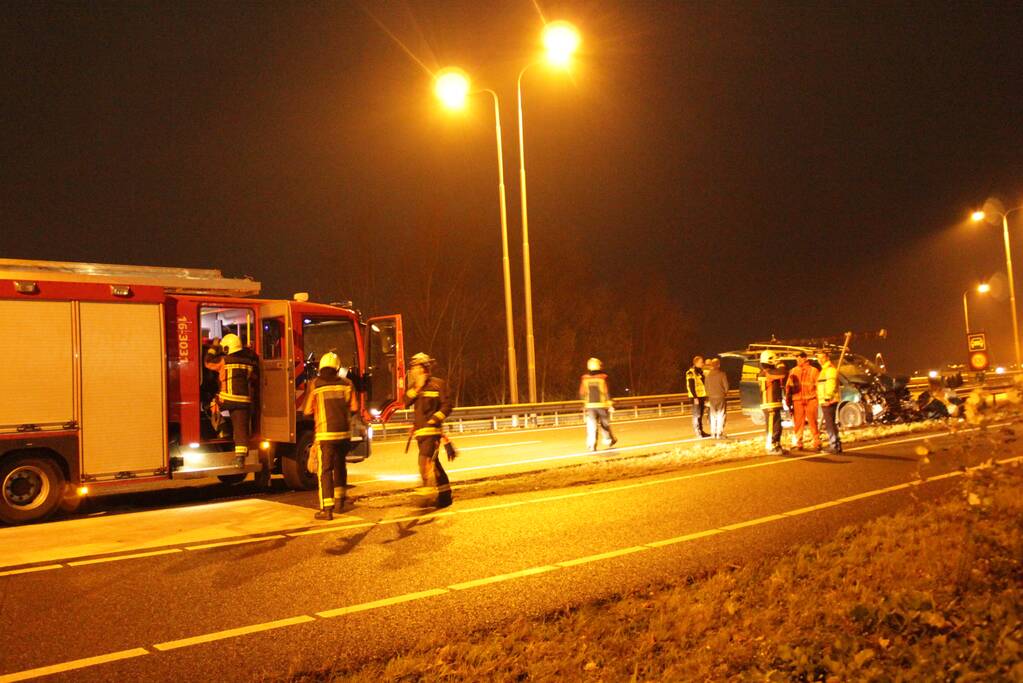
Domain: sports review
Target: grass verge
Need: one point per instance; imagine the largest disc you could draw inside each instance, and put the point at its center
(932, 593)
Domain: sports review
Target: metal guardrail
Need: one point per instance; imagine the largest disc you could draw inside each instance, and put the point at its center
(569, 413)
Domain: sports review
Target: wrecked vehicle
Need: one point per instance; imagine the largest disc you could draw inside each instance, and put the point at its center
(869, 395)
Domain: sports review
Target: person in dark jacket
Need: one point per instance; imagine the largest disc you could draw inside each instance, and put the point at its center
(772, 378)
(332, 401)
(237, 368)
(716, 383)
(428, 398)
(596, 396)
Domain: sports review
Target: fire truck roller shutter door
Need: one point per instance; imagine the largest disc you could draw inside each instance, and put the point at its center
(36, 364)
(124, 419)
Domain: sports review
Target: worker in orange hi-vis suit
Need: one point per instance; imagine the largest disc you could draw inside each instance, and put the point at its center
(801, 393)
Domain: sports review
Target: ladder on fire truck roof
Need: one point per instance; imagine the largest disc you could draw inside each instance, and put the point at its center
(172, 280)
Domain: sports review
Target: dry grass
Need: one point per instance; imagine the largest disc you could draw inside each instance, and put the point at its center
(932, 593)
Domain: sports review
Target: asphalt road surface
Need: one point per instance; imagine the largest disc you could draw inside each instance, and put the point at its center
(482, 455)
(292, 601)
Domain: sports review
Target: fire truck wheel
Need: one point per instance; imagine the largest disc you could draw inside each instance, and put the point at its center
(295, 468)
(231, 479)
(31, 488)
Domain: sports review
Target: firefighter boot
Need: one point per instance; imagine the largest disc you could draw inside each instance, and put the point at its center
(326, 514)
(339, 499)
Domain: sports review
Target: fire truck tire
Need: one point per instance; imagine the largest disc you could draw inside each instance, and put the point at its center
(295, 468)
(31, 488)
(852, 415)
(231, 479)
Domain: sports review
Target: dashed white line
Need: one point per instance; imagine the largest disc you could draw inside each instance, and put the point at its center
(29, 570)
(72, 665)
(240, 541)
(233, 633)
(466, 585)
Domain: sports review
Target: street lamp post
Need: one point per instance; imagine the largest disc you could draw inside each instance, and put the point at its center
(561, 40)
(982, 288)
(979, 216)
(452, 88)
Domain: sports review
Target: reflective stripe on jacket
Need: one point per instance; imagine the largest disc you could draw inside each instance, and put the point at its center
(802, 383)
(828, 388)
(772, 384)
(236, 373)
(694, 383)
(430, 407)
(331, 401)
(593, 390)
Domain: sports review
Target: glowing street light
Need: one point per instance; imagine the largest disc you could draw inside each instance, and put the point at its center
(560, 40)
(978, 216)
(982, 288)
(452, 88)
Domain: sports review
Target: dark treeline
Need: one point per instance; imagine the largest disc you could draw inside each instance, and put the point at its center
(453, 309)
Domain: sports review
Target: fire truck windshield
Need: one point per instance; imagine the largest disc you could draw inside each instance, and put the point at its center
(320, 335)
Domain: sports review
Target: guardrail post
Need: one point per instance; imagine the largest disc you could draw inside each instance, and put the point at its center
(495, 423)
(659, 411)
(555, 418)
(635, 412)
(682, 408)
(461, 426)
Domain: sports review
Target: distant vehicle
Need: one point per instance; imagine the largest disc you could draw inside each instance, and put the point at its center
(868, 393)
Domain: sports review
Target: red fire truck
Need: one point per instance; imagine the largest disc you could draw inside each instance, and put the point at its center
(103, 386)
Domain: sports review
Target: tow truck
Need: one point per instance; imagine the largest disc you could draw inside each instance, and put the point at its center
(103, 386)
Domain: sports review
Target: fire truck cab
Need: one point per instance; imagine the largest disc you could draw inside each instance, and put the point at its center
(103, 387)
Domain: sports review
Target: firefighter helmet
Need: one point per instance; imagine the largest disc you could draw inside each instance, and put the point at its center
(231, 343)
(594, 364)
(768, 358)
(330, 360)
(420, 359)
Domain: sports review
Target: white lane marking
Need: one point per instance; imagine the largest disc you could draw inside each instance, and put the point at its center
(532, 430)
(752, 522)
(465, 585)
(328, 529)
(72, 665)
(685, 538)
(29, 570)
(603, 556)
(498, 506)
(587, 454)
(221, 544)
(220, 635)
(233, 633)
(499, 445)
(115, 558)
(376, 604)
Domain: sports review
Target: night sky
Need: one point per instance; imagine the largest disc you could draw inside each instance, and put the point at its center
(781, 168)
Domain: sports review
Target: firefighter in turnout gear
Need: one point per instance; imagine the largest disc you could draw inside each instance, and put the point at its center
(697, 390)
(829, 393)
(331, 400)
(428, 397)
(772, 393)
(237, 369)
(801, 392)
(596, 396)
